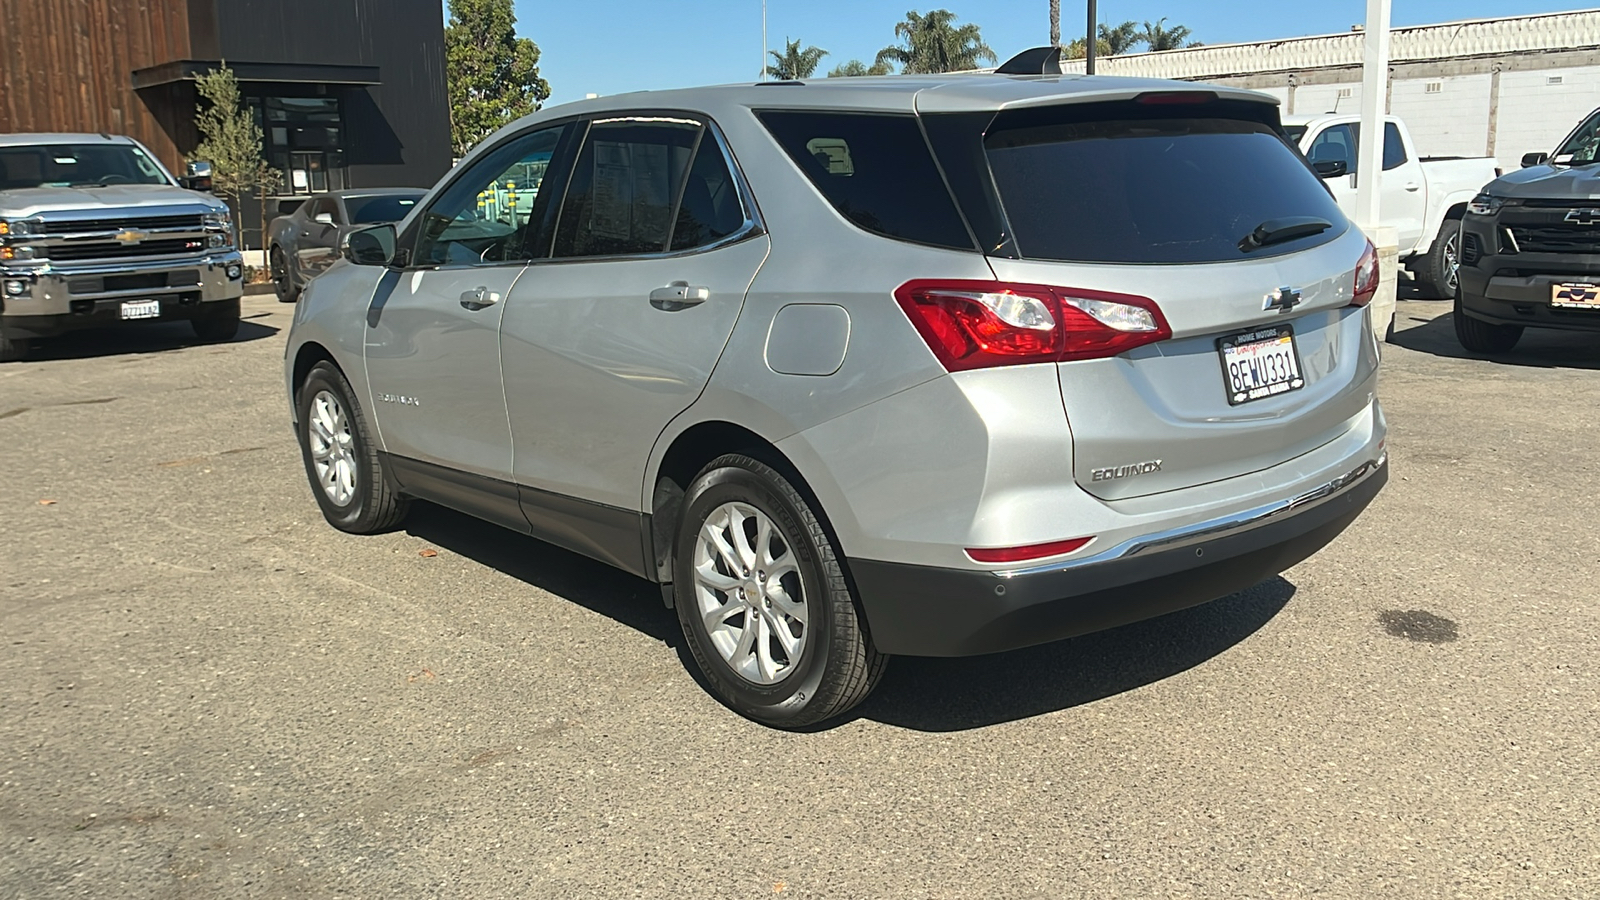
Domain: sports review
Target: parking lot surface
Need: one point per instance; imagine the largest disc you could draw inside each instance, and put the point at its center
(209, 693)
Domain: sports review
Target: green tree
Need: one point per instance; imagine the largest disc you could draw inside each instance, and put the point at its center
(1161, 38)
(1121, 39)
(230, 140)
(1075, 50)
(933, 43)
(857, 67)
(492, 75)
(795, 63)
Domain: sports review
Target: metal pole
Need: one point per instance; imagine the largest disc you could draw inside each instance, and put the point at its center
(1374, 90)
(763, 76)
(1089, 40)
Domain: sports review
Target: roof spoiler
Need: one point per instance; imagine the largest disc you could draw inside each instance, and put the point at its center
(1037, 61)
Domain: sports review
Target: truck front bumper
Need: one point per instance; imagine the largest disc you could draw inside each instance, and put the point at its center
(39, 301)
(1507, 287)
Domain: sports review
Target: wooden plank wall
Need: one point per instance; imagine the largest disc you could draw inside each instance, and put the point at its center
(67, 65)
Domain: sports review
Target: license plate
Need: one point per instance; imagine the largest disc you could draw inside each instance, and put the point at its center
(1575, 296)
(1260, 364)
(141, 309)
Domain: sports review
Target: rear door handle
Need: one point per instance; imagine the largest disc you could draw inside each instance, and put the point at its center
(679, 295)
(478, 298)
(1413, 186)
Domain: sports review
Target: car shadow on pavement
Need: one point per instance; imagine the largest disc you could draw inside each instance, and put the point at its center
(1544, 348)
(935, 695)
(611, 592)
(146, 338)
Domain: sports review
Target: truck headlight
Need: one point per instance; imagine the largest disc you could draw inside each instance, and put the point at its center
(9, 227)
(1485, 205)
(220, 230)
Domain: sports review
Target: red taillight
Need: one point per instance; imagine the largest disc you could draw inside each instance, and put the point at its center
(977, 324)
(1366, 277)
(1032, 551)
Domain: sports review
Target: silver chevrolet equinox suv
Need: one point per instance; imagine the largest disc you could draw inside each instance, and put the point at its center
(929, 365)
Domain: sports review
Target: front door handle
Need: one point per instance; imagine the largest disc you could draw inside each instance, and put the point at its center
(1413, 187)
(678, 295)
(478, 298)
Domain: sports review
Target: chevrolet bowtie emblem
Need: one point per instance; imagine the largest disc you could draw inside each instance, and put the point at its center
(1584, 216)
(1282, 300)
(131, 237)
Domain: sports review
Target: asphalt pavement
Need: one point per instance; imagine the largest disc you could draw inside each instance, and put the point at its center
(206, 692)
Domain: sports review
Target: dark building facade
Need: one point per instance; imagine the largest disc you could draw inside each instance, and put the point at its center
(348, 93)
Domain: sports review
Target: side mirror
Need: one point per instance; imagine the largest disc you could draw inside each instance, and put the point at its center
(1534, 159)
(370, 246)
(323, 218)
(1331, 168)
(197, 175)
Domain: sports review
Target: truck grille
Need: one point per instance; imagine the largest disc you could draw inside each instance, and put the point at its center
(116, 250)
(143, 223)
(1556, 238)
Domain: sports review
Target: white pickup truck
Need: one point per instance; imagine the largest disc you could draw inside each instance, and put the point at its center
(1422, 198)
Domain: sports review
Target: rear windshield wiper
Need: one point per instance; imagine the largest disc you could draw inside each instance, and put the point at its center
(1274, 231)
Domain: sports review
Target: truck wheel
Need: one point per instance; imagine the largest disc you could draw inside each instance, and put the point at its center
(1484, 337)
(282, 281)
(765, 607)
(14, 349)
(341, 459)
(217, 321)
(1440, 275)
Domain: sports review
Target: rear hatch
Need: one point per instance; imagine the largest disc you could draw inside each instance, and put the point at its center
(1152, 202)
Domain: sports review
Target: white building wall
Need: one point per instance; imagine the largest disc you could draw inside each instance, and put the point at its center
(1452, 121)
(1317, 99)
(1535, 114)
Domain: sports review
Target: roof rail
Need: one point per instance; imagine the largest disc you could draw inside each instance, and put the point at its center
(1037, 61)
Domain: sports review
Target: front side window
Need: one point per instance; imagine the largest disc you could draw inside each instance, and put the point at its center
(492, 213)
(1336, 143)
(624, 186)
(76, 165)
(1583, 147)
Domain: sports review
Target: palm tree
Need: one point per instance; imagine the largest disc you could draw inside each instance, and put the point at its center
(934, 44)
(1055, 23)
(794, 63)
(857, 67)
(1120, 39)
(1160, 38)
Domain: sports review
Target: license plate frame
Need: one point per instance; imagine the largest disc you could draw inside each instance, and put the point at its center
(1266, 340)
(1575, 295)
(133, 310)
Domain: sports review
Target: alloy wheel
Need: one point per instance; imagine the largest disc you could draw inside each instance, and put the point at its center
(749, 594)
(332, 448)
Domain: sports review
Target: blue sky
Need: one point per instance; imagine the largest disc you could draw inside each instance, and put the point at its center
(615, 46)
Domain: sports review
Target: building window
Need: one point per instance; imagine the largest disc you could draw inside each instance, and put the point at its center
(1433, 87)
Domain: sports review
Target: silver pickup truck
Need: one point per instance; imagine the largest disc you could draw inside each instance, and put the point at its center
(94, 233)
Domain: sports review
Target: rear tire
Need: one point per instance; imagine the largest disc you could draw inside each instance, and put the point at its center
(282, 281)
(1439, 275)
(14, 349)
(1484, 337)
(341, 459)
(217, 321)
(766, 610)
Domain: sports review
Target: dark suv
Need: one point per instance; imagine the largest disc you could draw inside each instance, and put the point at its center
(1530, 247)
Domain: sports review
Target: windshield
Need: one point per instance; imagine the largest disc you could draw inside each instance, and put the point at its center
(76, 165)
(1579, 149)
(1175, 190)
(384, 208)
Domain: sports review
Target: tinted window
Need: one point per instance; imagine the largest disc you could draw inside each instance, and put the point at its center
(63, 165)
(1335, 144)
(623, 187)
(488, 215)
(1394, 149)
(710, 209)
(373, 210)
(324, 206)
(1170, 190)
(877, 172)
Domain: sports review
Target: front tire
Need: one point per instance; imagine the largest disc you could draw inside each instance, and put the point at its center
(1484, 337)
(217, 321)
(766, 610)
(341, 458)
(282, 281)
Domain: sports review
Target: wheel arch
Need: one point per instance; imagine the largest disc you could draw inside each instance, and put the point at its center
(308, 355)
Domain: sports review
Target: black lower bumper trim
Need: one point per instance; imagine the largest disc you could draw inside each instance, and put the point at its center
(108, 314)
(927, 611)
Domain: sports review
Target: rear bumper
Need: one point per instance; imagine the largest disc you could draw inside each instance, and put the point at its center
(930, 611)
(57, 299)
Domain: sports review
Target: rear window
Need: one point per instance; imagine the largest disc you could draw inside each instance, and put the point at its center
(877, 172)
(1165, 190)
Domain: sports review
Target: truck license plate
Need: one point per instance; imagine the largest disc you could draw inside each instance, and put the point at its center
(1259, 364)
(141, 309)
(1575, 296)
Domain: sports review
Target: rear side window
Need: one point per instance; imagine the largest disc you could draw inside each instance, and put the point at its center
(1166, 190)
(877, 172)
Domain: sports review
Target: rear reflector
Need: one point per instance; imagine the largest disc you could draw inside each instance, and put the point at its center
(979, 324)
(1032, 551)
(1366, 277)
